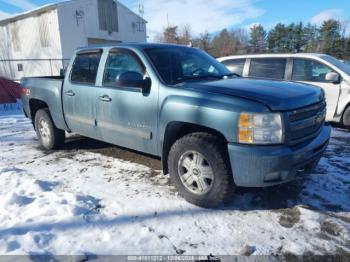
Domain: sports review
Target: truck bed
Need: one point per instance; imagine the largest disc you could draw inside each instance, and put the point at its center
(48, 89)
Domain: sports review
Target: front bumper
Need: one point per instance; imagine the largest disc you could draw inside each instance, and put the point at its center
(260, 166)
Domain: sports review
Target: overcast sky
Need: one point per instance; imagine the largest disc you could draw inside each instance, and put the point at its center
(212, 16)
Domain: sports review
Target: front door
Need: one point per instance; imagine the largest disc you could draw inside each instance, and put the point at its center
(79, 93)
(313, 72)
(126, 116)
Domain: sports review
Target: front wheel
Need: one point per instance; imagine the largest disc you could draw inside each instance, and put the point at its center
(49, 136)
(199, 168)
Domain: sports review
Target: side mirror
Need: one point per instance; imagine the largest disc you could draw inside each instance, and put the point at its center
(133, 79)
(333, 77)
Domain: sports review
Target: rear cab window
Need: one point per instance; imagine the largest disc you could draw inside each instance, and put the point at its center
(271, 68)
(85, 66)
(235, 65)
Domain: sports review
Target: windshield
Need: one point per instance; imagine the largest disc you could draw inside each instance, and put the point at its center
(345, 67)
(179, 64)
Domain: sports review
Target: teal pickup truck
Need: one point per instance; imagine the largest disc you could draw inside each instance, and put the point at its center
(213, 130)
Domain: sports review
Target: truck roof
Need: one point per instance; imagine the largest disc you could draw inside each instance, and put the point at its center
(130, 45)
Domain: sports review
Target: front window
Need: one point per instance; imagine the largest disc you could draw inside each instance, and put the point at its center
(345, 67)
(119, 62)
(180, 64)
(309, 70)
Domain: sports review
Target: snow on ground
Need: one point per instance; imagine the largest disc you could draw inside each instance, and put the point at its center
(80, 200)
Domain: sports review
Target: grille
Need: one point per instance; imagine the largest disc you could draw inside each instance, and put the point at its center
(306, 123)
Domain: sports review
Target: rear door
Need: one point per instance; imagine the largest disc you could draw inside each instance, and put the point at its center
(270, 68)
(314, 72)
(126, 116)
(79, 93)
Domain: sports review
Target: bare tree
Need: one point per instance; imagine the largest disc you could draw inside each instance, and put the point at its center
(204, 42)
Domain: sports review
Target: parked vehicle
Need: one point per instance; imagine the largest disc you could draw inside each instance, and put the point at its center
(212, 130)
(317, 69)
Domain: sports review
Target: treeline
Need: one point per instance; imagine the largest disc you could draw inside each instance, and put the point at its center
(329, 38)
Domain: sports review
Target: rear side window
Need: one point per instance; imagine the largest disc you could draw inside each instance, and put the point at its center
(84, 70)
(309, 70)
(273, 68)
(235, 65)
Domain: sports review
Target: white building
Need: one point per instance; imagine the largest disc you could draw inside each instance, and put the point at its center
(54, 31)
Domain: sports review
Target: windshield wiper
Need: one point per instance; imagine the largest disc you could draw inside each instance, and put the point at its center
(231, 74)
(199, 77)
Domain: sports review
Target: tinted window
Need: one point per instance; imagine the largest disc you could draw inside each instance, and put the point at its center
(179, 64)
(273, 68)
(119, 62)
(235, 65)
(85, 68)
(309, 70)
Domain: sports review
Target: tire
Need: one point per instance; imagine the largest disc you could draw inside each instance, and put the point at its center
(201, 157)
(346, 117)
(49, 136)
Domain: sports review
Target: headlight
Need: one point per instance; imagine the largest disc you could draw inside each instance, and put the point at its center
(260, 128)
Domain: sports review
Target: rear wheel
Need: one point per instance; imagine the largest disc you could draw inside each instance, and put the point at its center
(199, 168)
(49, 136)
(346, 117)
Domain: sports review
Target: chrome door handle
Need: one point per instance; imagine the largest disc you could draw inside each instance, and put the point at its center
(70, 93)
(105, 98)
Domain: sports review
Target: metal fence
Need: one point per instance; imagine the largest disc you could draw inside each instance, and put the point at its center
(15, 69)
(4, 108)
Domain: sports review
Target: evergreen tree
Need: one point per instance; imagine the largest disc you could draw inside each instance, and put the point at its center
(277, 39)
(299, 37)
(312, 39)
(330, 33)
(223, 44)
(258, 39)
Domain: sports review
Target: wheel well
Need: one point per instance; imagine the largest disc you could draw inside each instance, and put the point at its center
(35, 105)
(176, 130)
(342, 115)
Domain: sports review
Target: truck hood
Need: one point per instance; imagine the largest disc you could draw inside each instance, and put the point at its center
(277, 95)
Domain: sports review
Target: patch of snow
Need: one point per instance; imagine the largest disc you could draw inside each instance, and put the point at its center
(73, 201)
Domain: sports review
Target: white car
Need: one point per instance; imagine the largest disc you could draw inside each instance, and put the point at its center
(320, 70)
